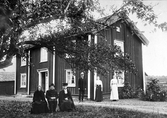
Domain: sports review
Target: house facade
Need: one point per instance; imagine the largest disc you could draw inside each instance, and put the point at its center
(42, 67)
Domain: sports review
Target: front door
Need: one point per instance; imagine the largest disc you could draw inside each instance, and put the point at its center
(44, 79)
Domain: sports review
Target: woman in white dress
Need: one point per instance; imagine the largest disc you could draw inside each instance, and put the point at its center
(114, 89)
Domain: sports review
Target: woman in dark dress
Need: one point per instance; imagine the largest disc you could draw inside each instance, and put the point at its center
(39, 104)
(65, 99)
(99, 89)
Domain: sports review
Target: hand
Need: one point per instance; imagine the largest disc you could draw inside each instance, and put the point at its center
(66, 98)
(57, 108)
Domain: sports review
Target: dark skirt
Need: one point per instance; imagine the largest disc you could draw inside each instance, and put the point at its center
(99, 95)
(39, 107)
(67, 105)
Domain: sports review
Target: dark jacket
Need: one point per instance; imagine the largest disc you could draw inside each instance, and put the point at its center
(50, 94)
(38, 96)
(82, 84)
(66, 104)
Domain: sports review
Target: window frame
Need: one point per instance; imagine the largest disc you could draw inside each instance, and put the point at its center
(23, 61)
(21, 80)
(42, 55)
(70, 84)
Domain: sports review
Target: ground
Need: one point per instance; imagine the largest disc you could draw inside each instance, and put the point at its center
(131, 104)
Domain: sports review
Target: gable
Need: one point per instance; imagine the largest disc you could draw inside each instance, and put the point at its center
(113, 19)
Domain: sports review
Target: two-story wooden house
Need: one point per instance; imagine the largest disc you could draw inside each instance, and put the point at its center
(44, 68)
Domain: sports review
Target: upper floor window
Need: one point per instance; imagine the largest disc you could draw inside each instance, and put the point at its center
(119, 44)
(23, 80)
(70, 78)
(23, 61)
(118, 29)
(43, 54)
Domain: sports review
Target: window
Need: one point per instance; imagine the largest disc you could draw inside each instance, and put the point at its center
(118, 29)
(120, 78)
(120, 44)
(70, 78)
(43, 54)
(23, 61)
(23, 80)
(120, 74)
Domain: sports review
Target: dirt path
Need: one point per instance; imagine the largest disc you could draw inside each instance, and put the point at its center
(130, 104)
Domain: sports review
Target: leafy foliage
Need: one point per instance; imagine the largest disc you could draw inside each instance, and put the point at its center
(73, 21)
(127, 92)
(153, 92)
(17, 109)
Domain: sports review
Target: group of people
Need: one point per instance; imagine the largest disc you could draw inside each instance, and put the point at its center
(63, 101)
(53, 101)
(113, 88)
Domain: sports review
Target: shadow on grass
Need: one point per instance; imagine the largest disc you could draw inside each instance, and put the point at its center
(17, 109)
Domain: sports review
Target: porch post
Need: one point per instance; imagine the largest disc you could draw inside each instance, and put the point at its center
(95, 72)
(28, 79)
(89, 39)
(54, 67)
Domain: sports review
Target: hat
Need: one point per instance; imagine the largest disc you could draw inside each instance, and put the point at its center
(65, 84)
(51, 85)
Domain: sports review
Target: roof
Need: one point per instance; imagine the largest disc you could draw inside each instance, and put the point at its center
(111, 19)
(7, 76)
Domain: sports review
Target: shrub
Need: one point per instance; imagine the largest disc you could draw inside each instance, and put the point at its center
(127, 91)
(153, 92)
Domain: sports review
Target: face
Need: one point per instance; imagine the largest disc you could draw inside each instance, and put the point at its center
(64, 87)
(82, 75)
(98, 78)
(39, 88)
(52, 87)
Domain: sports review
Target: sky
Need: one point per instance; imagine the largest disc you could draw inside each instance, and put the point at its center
(155, 54)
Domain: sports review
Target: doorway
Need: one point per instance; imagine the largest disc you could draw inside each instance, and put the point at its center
(43, 79)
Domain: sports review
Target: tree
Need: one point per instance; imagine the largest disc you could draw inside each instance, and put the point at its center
(74, 20)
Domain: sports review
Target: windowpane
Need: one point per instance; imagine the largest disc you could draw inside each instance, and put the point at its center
(43, 54)
(70, 78)
(23, 80)
(23, 61)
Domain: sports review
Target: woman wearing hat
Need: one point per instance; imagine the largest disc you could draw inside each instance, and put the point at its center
(52, 96)
(66, 102)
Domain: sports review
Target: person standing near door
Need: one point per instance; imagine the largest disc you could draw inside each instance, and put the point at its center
(81, 86)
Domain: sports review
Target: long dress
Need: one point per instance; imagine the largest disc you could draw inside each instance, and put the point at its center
(114, 89)
(52, 96)
(99, 95)
(66, 102)
(39, 104)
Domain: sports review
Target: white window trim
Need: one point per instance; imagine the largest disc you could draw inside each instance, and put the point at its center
(41, 59)
(23, 61)
(120, 79)
(70, 84)
(21, 85)
(120, 44)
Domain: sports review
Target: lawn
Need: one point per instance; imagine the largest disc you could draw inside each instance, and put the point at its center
(16, 109)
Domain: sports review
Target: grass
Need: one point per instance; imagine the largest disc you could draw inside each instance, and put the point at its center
(17, 109)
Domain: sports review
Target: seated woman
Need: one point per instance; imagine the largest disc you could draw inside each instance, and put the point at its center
(66, 102)
(52, 96)
(39, 104)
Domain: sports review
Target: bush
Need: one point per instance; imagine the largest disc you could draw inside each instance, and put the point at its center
(153, 92)
(127, 92)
